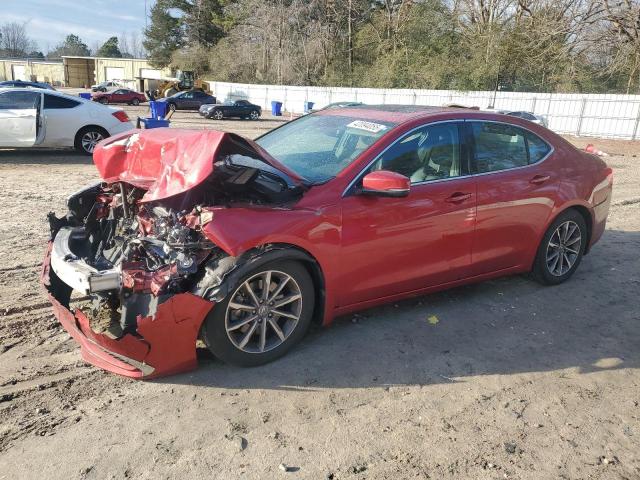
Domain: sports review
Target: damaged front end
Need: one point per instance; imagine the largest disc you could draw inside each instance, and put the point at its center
(127, 267)
(134, 267)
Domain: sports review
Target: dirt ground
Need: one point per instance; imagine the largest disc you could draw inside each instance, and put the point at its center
(514, 381)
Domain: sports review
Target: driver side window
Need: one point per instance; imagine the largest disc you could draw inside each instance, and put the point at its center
(428, 153)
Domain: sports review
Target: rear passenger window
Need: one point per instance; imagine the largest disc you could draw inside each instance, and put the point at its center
(55, 102)
(502, 147)
(538, 148)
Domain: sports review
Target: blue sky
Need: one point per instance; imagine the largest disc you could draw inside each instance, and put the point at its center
(49, 21)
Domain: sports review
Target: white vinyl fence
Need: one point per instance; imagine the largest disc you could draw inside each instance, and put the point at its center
(595, 115)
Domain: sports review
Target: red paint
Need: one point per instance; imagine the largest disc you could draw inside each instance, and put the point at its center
(166, 161)
(111, 97)
(384, 181)
(167, 340)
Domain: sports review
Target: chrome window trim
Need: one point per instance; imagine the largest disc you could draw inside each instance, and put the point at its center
(460, 120)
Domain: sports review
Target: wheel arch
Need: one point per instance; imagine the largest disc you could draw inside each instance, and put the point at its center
(85, 127)
(231, 269)
(582, 208)
(76, 137)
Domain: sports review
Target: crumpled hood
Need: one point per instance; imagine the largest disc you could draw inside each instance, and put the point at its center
(169, 161)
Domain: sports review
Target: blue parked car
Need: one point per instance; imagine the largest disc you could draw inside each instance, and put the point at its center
(23, 84)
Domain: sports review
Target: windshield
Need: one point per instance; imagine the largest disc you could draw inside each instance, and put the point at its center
(318, 147)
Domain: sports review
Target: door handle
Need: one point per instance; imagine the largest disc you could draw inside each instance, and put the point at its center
(458, 197)
(539, 179)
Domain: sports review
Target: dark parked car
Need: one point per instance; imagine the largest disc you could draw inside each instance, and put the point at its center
(191, 100)
(23, 84)
(238, 108)
(121, 95)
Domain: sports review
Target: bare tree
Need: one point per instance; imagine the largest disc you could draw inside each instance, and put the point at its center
(14, 40)
(623, 38)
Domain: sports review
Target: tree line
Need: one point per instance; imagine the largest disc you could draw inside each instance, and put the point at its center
(532, 45)
(16, 43)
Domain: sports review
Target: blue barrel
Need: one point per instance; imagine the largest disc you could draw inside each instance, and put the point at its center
(86, 96)
(308, 106)
(276, 108)
(158, 109)
(154, 122)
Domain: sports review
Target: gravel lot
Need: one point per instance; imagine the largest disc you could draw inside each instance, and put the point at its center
(514, 380)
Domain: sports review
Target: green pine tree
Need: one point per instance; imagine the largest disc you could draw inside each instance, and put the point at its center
(163, 36)
(110, 49)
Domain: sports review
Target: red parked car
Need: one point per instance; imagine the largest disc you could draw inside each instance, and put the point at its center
(121, 95)
(205, 234)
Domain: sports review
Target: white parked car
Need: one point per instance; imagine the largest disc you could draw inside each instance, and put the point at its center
(43, 118)
(104, 86)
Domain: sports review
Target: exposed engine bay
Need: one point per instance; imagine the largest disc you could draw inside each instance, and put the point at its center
(143, 252)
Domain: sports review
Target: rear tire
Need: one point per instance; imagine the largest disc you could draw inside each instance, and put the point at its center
(135, 102)
(254, 115)
(87, 139)
(250, 330)
(561, 249)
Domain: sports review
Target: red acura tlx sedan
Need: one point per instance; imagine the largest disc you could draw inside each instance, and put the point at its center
(243, 244)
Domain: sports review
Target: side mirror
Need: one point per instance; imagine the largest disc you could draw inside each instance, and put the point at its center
(385, 183)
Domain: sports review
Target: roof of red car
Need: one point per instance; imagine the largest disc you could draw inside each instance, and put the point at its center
(392, 113)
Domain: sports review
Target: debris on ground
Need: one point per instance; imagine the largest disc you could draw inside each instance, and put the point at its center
(592, 149)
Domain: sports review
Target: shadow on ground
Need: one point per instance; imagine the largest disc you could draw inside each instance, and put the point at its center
(507, 326)
(44, 156)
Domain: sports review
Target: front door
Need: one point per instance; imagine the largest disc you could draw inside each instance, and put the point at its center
(21, 123)
(397, 245)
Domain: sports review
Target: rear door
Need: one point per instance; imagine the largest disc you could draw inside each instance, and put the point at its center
(517, 184)
(21, 124)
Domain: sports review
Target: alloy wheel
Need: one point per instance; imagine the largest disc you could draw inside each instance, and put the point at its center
(263, 311)
(218, 115)
(90, 139)
(563, 248)
(254, 115)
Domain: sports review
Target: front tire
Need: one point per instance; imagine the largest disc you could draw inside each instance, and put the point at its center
(87, 139)
(268, 311)
(172, 107)
(104, 101)
(217, 115)
(135, 102)
(254, 115)
(561, 249)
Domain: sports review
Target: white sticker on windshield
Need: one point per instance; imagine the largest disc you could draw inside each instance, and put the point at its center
(368, 126)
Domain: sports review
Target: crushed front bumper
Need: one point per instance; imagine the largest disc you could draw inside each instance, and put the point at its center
(165, 342)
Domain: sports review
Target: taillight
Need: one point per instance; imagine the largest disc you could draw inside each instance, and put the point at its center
(121, 115)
